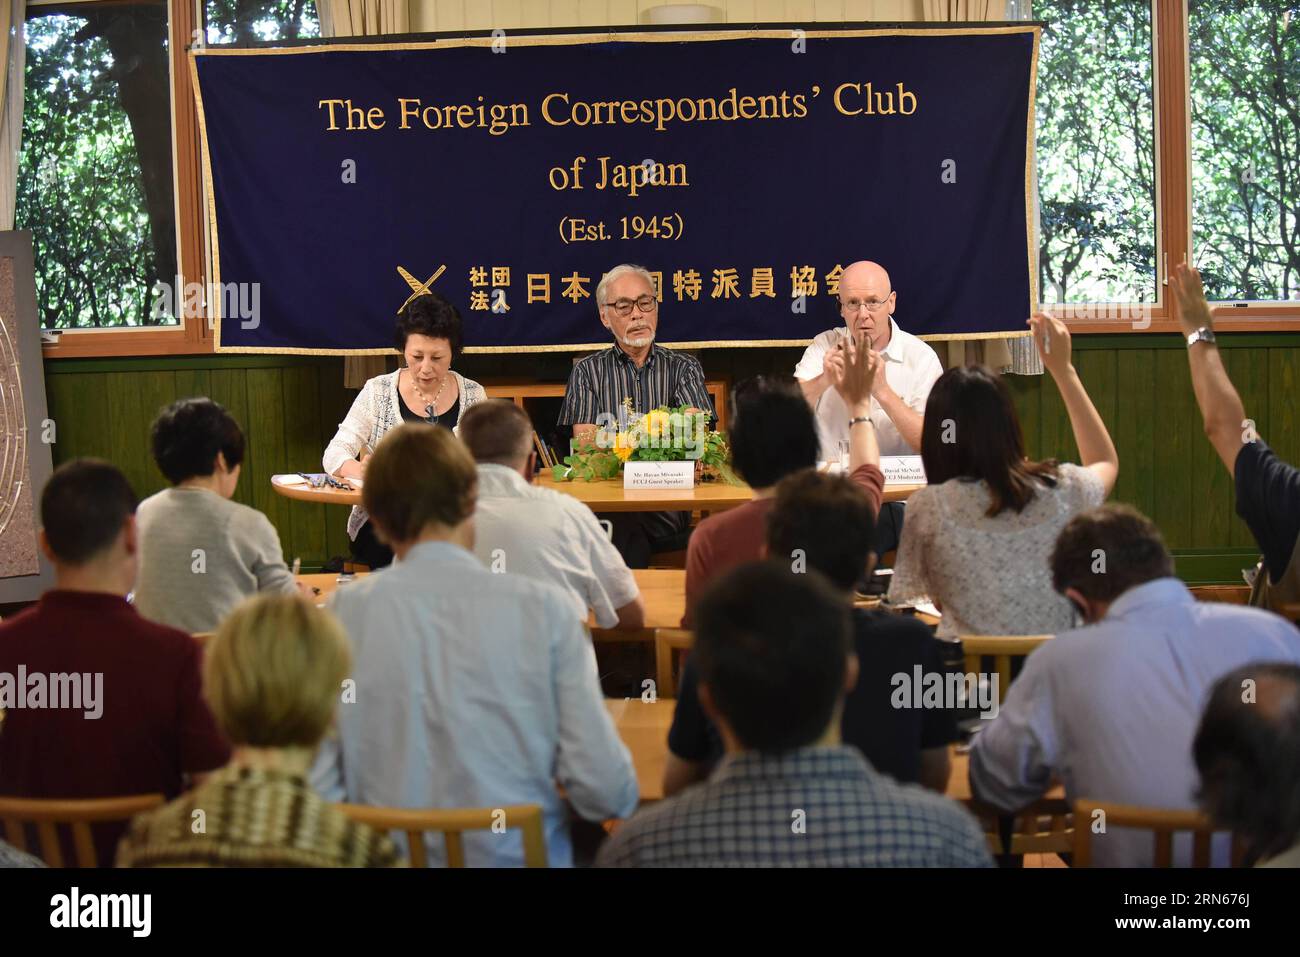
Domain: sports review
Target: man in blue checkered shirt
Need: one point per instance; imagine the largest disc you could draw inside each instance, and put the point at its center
(773, 649)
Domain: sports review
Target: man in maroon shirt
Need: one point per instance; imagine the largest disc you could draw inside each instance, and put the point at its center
(774, 434)
(131, 721)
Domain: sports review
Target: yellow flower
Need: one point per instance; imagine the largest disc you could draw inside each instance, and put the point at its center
(656, 424)
(623, 447)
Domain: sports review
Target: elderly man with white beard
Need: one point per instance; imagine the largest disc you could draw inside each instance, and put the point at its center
(633, 370)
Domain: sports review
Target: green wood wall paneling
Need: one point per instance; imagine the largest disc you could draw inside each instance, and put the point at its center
(290, 407)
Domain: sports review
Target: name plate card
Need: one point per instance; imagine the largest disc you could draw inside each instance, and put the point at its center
(659, 475)
(902, 469)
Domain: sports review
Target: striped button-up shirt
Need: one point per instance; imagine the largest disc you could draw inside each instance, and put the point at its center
(812, 807)
(603, 380)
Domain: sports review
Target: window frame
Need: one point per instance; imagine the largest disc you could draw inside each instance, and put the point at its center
(1171, 78)
(192, 336)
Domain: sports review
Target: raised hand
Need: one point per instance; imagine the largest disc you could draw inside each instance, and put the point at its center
(1053, 341)
(1188, 298)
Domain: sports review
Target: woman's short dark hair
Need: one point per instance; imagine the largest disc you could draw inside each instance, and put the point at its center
(971, 431)
(430, 315)
(1247, 751)
(773, 432)
(772, 647)
(188, 434)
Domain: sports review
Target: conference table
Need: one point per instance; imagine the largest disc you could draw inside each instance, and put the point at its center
(663, 590)
(606, 495)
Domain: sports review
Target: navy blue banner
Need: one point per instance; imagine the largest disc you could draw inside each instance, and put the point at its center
(744, 169)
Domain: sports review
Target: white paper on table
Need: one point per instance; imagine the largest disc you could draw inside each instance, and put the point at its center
(902, 469)
(288, 480)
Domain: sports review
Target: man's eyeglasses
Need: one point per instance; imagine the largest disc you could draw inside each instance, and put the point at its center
(850, 307)
(623, 307)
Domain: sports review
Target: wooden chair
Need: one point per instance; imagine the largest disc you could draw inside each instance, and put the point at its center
(453, 824)
(48, 815)
(1163, 824)
(668, 641)
(1001, 648)
(1045, 827)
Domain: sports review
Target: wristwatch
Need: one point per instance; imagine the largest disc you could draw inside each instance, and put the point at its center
(861, 418)
(1203, 334)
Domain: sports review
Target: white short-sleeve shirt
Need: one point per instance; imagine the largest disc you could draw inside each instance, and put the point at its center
(911, 368)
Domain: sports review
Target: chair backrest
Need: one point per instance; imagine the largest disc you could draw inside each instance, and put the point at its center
(1163, 824)
(1001, 648)
(453, 824)
(48, 815)
(1045, 827)
(668, 641)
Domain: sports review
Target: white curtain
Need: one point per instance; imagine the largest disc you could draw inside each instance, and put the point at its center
(956, 10)
(363, 18)
(13, 13)
(1017, 356)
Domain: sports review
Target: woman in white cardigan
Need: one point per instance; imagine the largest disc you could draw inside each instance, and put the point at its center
(425, 389)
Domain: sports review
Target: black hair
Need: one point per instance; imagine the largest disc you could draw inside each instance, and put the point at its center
(773, 431)
(430, 315)
(829, 520)
(188, 434)
(1105, 551)
(83, 508)
(971, 431)
(1247, 750)
(772, 648)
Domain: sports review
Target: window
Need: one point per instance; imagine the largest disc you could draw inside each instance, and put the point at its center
(1096, 152)
(95, 174)
(1245, 92)
(247, 21)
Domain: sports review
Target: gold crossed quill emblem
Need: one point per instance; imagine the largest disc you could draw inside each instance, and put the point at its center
(421, 288)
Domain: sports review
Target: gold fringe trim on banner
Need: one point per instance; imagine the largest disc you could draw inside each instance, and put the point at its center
(573, 39)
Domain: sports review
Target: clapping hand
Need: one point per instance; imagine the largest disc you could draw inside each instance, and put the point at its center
(855, 378)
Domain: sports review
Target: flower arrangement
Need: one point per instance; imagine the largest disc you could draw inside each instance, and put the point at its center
(664, 434)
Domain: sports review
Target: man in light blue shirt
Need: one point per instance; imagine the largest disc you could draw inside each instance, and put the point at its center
(1111, 709)
(472, 690)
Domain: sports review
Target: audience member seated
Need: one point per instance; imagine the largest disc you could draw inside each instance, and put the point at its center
(537, 532)
(978, 536)
(1268, 489)
(825, 523)
(633, 370)
(200, 553)
(1111, 708)
(129, 718)
(1248, 754)
(472, 689)
(424, 389)
(273, 676)
(775, 656)
(773, 435)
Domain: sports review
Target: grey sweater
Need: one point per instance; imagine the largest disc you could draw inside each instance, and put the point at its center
(201, 555)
